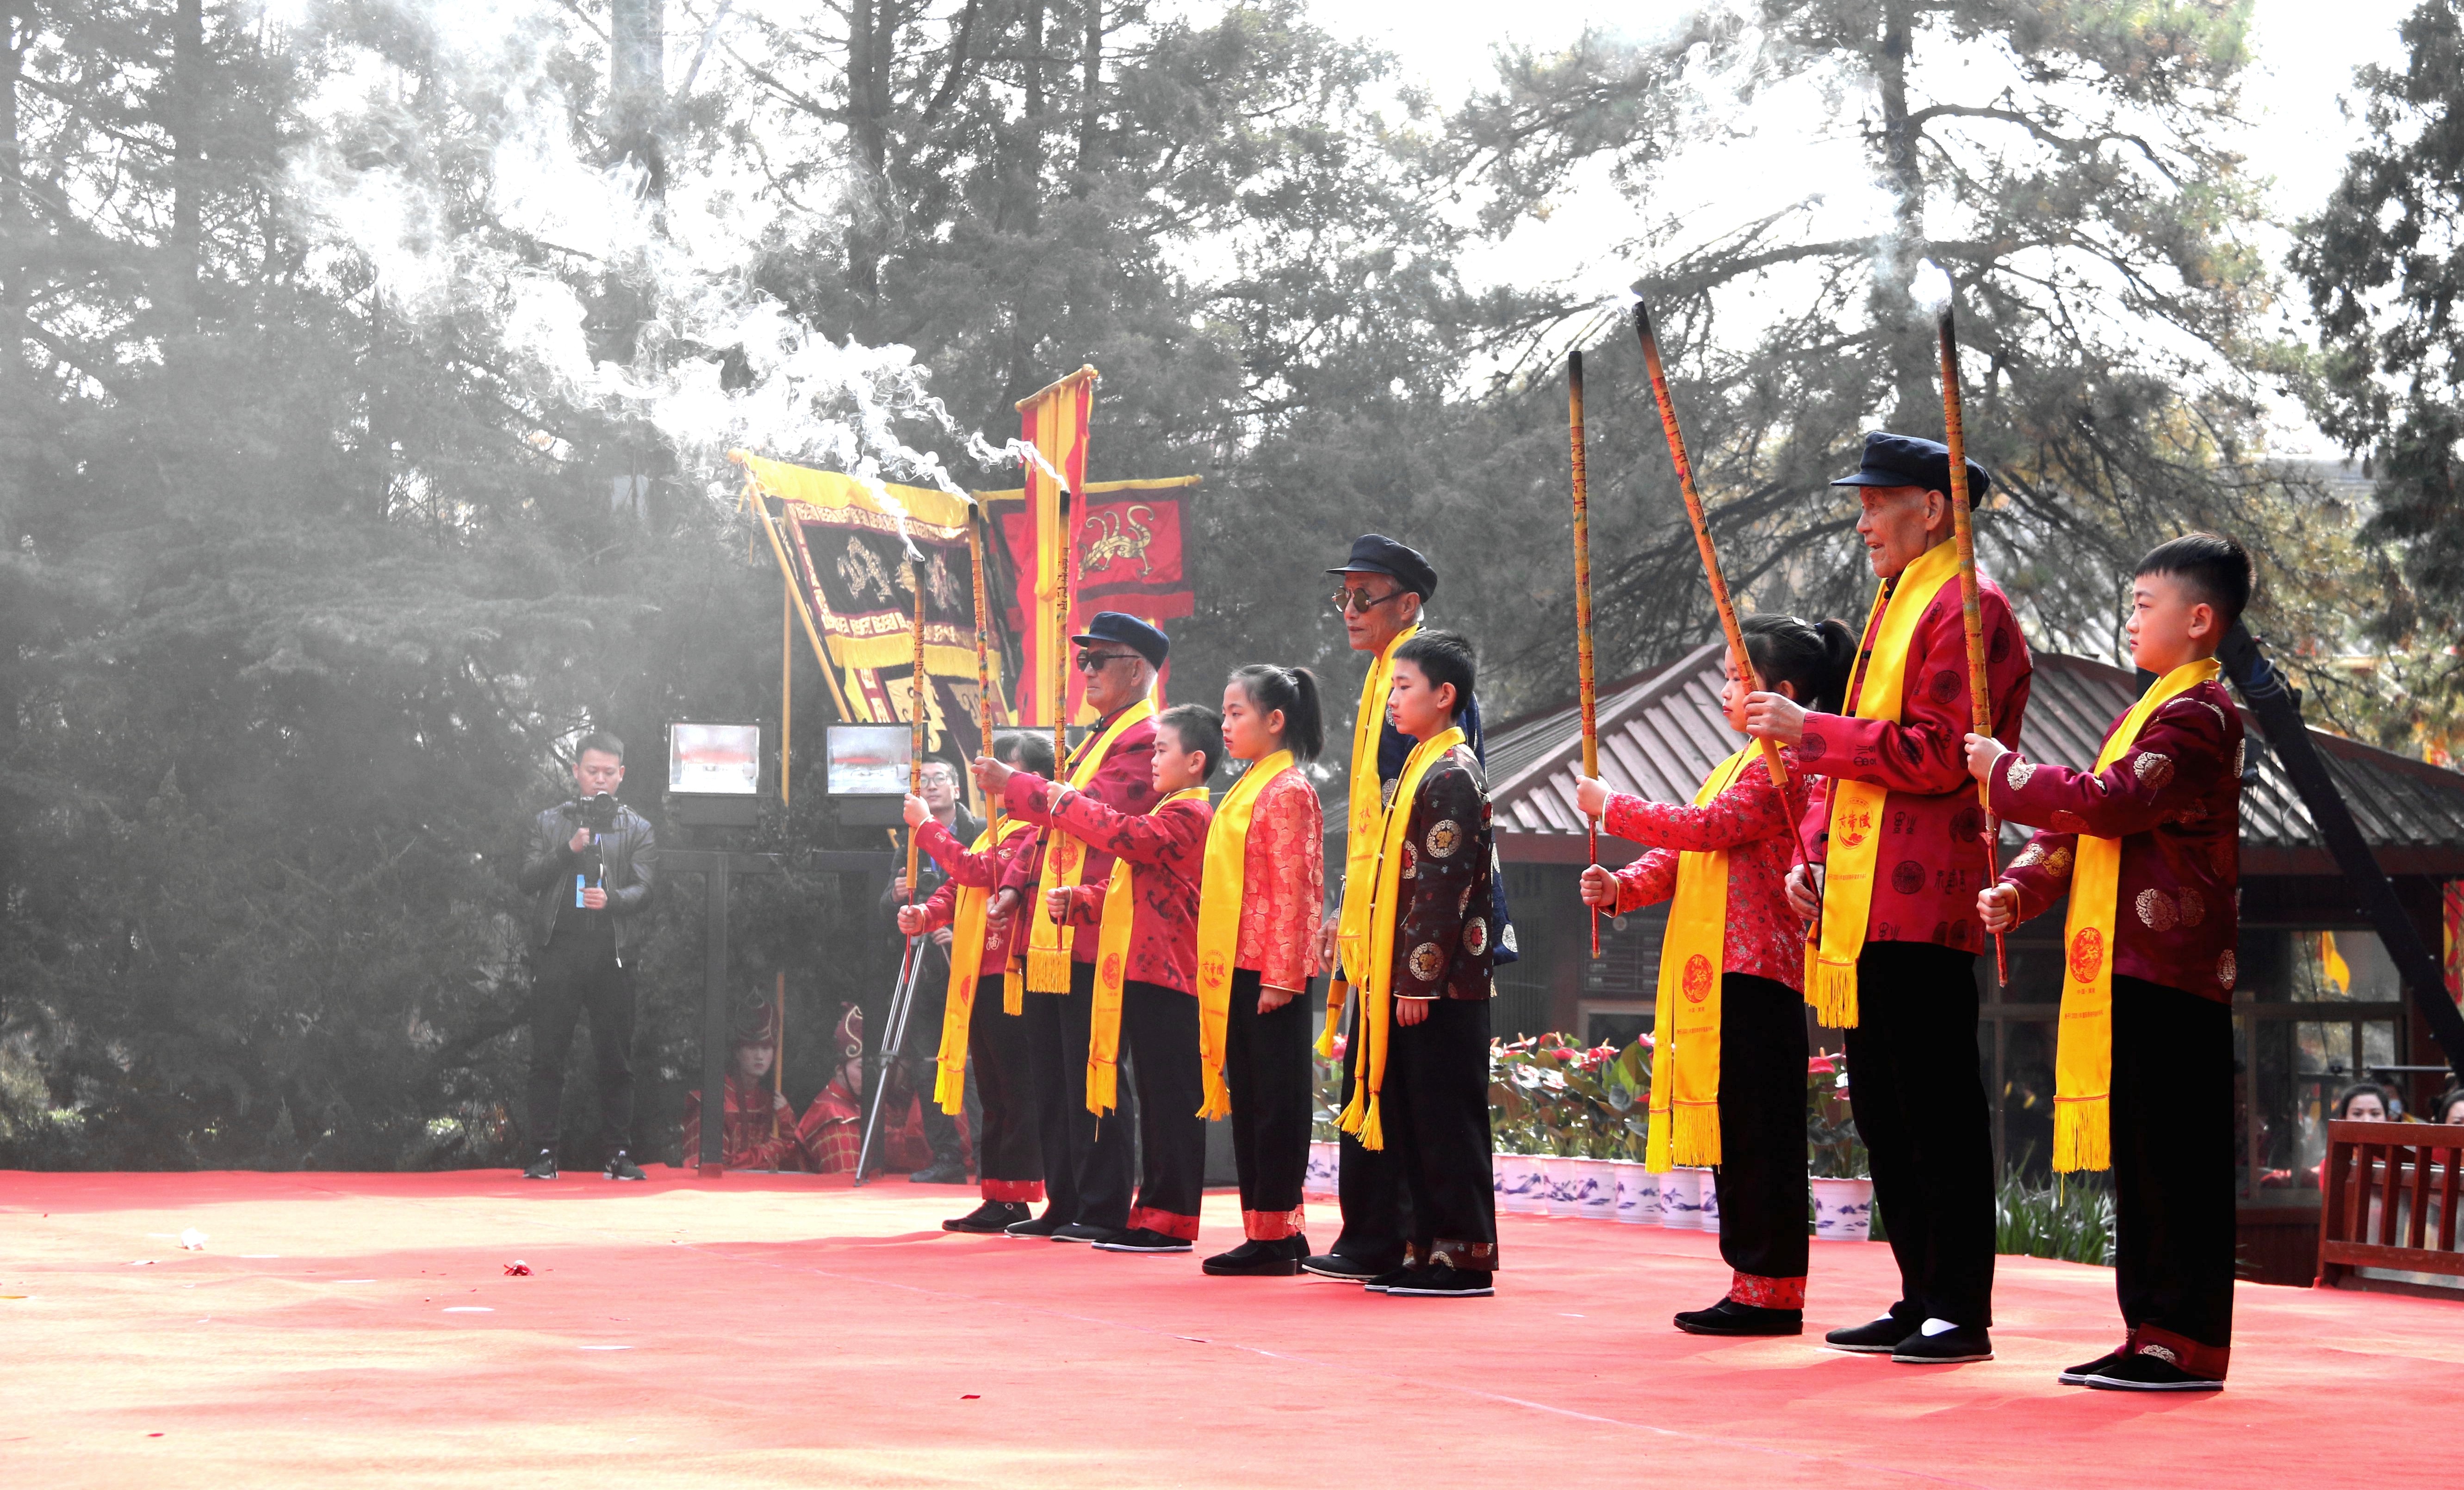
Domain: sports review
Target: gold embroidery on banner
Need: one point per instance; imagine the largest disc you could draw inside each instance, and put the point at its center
(1117, 541)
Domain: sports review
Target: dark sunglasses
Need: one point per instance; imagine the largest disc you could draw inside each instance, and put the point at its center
(1093, 662)
(1362, 603)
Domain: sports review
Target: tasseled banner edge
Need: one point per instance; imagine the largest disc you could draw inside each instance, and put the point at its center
(1695, 1138)
(1218, 1104)
(1361, 1119)
(1831, 987)
(1657, 1160)
(1334, 996)
(1013, 992)
(2082, 1134)
(1048, 970)
(949, 1085)
(1103, 1086)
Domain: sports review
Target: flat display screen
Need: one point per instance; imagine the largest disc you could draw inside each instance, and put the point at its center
(714, 760)
(866, 760)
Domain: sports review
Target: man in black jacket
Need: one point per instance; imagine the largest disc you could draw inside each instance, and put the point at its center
(588, 869)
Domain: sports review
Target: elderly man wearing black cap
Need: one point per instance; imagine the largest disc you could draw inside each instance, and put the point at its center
(1895, 857)
(1382, 586)
(1088, 1166)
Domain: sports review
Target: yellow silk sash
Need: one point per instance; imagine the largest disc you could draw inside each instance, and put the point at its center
(1856, 806)
(1219, 921)
(1065, 861)
(2083, 1059)
(1361, 1118)
(968, 914)
(1112, 971)
(1362, 824)
(1685, 1018)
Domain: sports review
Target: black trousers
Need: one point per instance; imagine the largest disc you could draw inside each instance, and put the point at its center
(1159, 1034)
(2172, 1160)
(1918, 1094)
(573, 975)
(1375, 1223)
(1266, 1068)
(1088, 1166)
(1762, 1176)
(1007, 1157)
(1434, 1111)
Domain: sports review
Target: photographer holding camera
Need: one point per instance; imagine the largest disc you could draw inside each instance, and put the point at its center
(588, 867)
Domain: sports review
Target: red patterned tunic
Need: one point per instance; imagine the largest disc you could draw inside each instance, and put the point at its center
(1003, 940)
(1126, 783)
(1443, 938)
(1932, 860)
(1283, 883)
(831, 1132)
(1167, 844)
(1752, 823)
(2174, 800)
(760, 1133)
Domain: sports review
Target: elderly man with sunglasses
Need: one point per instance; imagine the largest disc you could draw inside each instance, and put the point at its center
(1383, 585)
(1089, 1168)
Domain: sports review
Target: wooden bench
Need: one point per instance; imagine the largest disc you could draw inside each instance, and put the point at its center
(2386, 1183)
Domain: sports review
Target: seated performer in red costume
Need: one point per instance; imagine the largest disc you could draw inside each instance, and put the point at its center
(983, 1013)
(2147, 847)
(761, 1131)
(832, 1129)
(1729, 1060)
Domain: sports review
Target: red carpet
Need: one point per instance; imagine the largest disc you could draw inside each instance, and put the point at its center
(784, 1331)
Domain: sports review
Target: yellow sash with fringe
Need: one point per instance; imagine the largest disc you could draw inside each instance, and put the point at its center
(2083, 1059)
(1856, 806)
(968, 914)
(1065, 861)
(1112, 971)
(1219, 921)
(1361, 1118)
(1685, 1018)
(1363, 822)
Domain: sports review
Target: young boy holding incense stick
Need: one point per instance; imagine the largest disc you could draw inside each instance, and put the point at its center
(1145, 963)
(2147, 847)
(980, 1017)
(1421, 1064)
(1258, 922)
(1728, 1056)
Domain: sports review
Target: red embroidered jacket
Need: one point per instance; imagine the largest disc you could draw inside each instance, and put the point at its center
(832, 1131)
(1126, 783)
(1442, 935)
(1283, 883)
(761, 1131)
(1932, 860)
(1002, 940)
(2174, 800)
(1167, 845)
(1753, 823)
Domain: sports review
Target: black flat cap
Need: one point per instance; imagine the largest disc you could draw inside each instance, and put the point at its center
(1903, 460)
(1374, 553)
(1112, 625)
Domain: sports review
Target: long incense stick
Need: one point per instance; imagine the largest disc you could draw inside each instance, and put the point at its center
(915, 731)
(1971, 614)
(1061, 598)
(983, 662)
(1586, 680)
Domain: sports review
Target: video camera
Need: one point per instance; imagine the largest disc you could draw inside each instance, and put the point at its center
(598, 813)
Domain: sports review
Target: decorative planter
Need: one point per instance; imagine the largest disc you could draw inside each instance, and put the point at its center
(1595, 1189)
(1521, 1185)
(1638, 1193)
(1565, 1196)
(1680, 1199)
(1706, 1188)
(1325, 1164)
(1843, 1209)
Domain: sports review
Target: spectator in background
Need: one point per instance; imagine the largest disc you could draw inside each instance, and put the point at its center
(948, 1164)
(831, 1132)
(760, 1123)
(2449, 1106)
(2363, 1102)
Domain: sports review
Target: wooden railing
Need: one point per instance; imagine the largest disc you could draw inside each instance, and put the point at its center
(2392, 1194)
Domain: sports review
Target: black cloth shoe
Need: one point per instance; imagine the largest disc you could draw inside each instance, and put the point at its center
(1040, 1227)
(622, 1166)
(544, 1167)
(1729, 1317)
(2077, 1376)
(941, 1172)
(1387, 1279)
(1441, 1282)
(1951, 1347)
(1342, 1269)
(2144, 1372)
(1141, 1238)
(1255, 1259)
(1085, 1231)
(988, 1218)
(1877, 1337)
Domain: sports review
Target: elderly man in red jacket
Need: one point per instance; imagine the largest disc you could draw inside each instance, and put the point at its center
(1089, 1167)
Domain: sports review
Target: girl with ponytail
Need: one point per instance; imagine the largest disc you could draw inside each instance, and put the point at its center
(1728, 1058)
(1261, 902)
